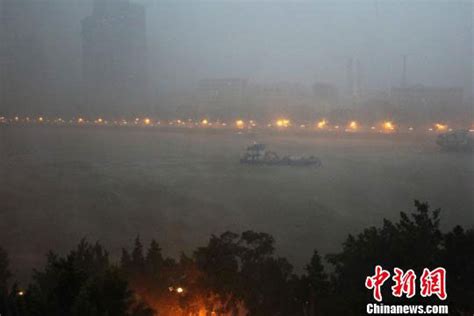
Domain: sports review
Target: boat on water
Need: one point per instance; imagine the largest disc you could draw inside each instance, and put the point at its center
(459, 140)
(257, 154)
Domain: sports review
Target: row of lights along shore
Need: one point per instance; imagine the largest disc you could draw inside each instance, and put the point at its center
(280, 124)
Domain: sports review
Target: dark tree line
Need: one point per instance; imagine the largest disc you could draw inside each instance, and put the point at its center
(240, 273)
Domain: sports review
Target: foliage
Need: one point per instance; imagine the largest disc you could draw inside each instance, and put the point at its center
(81, 283)
(240, 273)
(4, 277)
(458, 259)
(415, 242)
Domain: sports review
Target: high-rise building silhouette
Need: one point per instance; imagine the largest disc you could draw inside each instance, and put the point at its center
(39, 71)
(3, 60)
(404, 72)
(20, 57)
(115, 59)
(350, 78)
(353, 81)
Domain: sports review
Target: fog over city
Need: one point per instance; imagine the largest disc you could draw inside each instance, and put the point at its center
(161, 51)
(305, 42)
(264, 134)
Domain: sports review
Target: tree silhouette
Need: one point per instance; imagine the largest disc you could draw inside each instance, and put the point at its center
(458, 259)
(313, 287)
(154, 259)
(138, 259)
(240, 272)
(415, 242)
(4, 277)
(81, 283)
(219, 262)
(243, 269)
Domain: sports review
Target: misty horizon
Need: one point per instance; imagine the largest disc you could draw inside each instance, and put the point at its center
(279, 157)
(264, 43)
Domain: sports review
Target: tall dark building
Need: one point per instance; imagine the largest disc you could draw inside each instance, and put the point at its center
(2, 61)
(20, 57)
(38, 56)
(115, 59)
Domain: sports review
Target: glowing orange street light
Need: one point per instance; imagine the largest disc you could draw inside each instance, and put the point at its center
(147, 121)
(204, 122)
(283, 123)
(179, 290)
(388, 126)
(239, 124)
(353, 125)
(40, 119)
(322, 124)
(441, 127)
(80, 120)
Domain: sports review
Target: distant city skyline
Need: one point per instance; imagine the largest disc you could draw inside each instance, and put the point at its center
(312, 41)
(263, 43)
(115, 58)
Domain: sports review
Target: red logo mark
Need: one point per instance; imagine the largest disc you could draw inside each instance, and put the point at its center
(433, 282)
(404, 283)
(375, 282)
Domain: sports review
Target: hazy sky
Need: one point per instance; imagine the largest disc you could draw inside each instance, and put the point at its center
(293, 41)
(307, 41)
